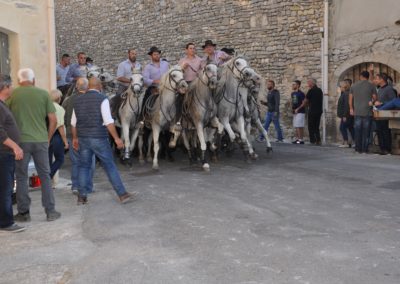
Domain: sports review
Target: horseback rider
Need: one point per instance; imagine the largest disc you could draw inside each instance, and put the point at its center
(124, 73)
(152, 74)
(191, 63)
(213, 55)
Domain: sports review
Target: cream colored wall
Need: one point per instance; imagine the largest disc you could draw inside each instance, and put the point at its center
(30, 27)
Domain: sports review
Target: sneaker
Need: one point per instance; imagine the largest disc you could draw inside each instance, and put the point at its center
(260, 140)
(75, 191)
(14, 228)
(279, 141)
(82, 200)
(343, 146)
(300, 142)
(22, 217)
(295, 141)
(53, 215)
(125, 198)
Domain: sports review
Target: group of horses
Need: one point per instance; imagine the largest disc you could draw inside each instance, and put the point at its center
(221, 101)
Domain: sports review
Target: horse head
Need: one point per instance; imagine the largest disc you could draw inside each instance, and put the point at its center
(240, 68)
(253, 82)
(176, 81)
(137, 83)
(210, 73)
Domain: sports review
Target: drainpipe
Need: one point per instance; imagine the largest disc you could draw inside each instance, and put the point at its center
(324, 66)
(51, 45)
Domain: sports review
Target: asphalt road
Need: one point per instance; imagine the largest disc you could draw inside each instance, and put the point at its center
(302, 214)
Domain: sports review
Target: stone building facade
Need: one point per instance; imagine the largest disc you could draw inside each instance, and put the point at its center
(27, 39)
(281, 38)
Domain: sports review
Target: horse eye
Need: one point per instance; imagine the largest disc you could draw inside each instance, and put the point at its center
(237, 63)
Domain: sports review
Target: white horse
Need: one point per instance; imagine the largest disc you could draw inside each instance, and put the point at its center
(129, 112)
(162, 116)
(253, 86)
(232, 106)
(201, 110)
(107, 80)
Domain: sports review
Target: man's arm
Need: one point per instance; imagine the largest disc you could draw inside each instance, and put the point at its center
(121, 76)
(52, 124)
(109, 123)
(5, 140)
(351, 104)
(277, 101)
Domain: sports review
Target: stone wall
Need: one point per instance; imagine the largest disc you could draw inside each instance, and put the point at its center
(281, 38)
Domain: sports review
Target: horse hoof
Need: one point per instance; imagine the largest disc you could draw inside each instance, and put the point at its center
(149, 159)
(269, 149)
(141, 161)
(254, 156)
(206, 167)
(156, 167)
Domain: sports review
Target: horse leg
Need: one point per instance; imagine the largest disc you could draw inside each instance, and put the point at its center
(125, 134)
(156, 136)
(220, 129)
(149, 141)
(187, 146)
(265, 133)
(176, 130)
(140, 145)
(253, 154)
(203, 145)
(243, 137)
(228, 128)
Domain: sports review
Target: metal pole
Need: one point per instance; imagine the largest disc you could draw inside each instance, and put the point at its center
(325, 67)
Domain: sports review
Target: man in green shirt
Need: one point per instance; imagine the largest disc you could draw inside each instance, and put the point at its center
(31, 106)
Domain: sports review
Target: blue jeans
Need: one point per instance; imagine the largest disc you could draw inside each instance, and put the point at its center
(56, 149)
(362, 128)
(393, 104)
(7, 168)
(273, 117)
(88, 147)
(347, 125)
(74, 157)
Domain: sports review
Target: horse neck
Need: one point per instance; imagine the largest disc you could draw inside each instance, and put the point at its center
(167, 97)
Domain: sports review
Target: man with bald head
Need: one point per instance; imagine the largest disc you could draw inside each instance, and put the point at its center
(91, 122)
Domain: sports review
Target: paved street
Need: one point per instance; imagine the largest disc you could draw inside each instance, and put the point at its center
(302, 214)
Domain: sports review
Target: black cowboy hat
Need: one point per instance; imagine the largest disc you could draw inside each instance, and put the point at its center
(153, 49)
(208, 42)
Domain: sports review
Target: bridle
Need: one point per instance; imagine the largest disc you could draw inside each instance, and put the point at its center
(241, 71)
(171, 79)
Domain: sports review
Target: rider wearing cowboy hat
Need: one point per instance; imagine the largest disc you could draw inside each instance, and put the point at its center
(217, 56)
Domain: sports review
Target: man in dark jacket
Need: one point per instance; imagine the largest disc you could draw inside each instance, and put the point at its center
(9, 152)
(385, 94)
(343, 112)
(272, 115)
(314, 99)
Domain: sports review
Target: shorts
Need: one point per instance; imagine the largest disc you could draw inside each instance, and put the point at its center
(298, 120)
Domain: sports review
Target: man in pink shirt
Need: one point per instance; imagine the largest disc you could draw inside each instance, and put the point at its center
(191, 63)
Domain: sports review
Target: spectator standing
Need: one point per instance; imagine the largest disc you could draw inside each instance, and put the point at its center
(360, 103)
(298, 108)
(314, 100)
(385, 95)
(273, 101)
(81, 87)
(343, 112)
(30, 106)
(58, 143)
(91, 121)
(9, 152)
